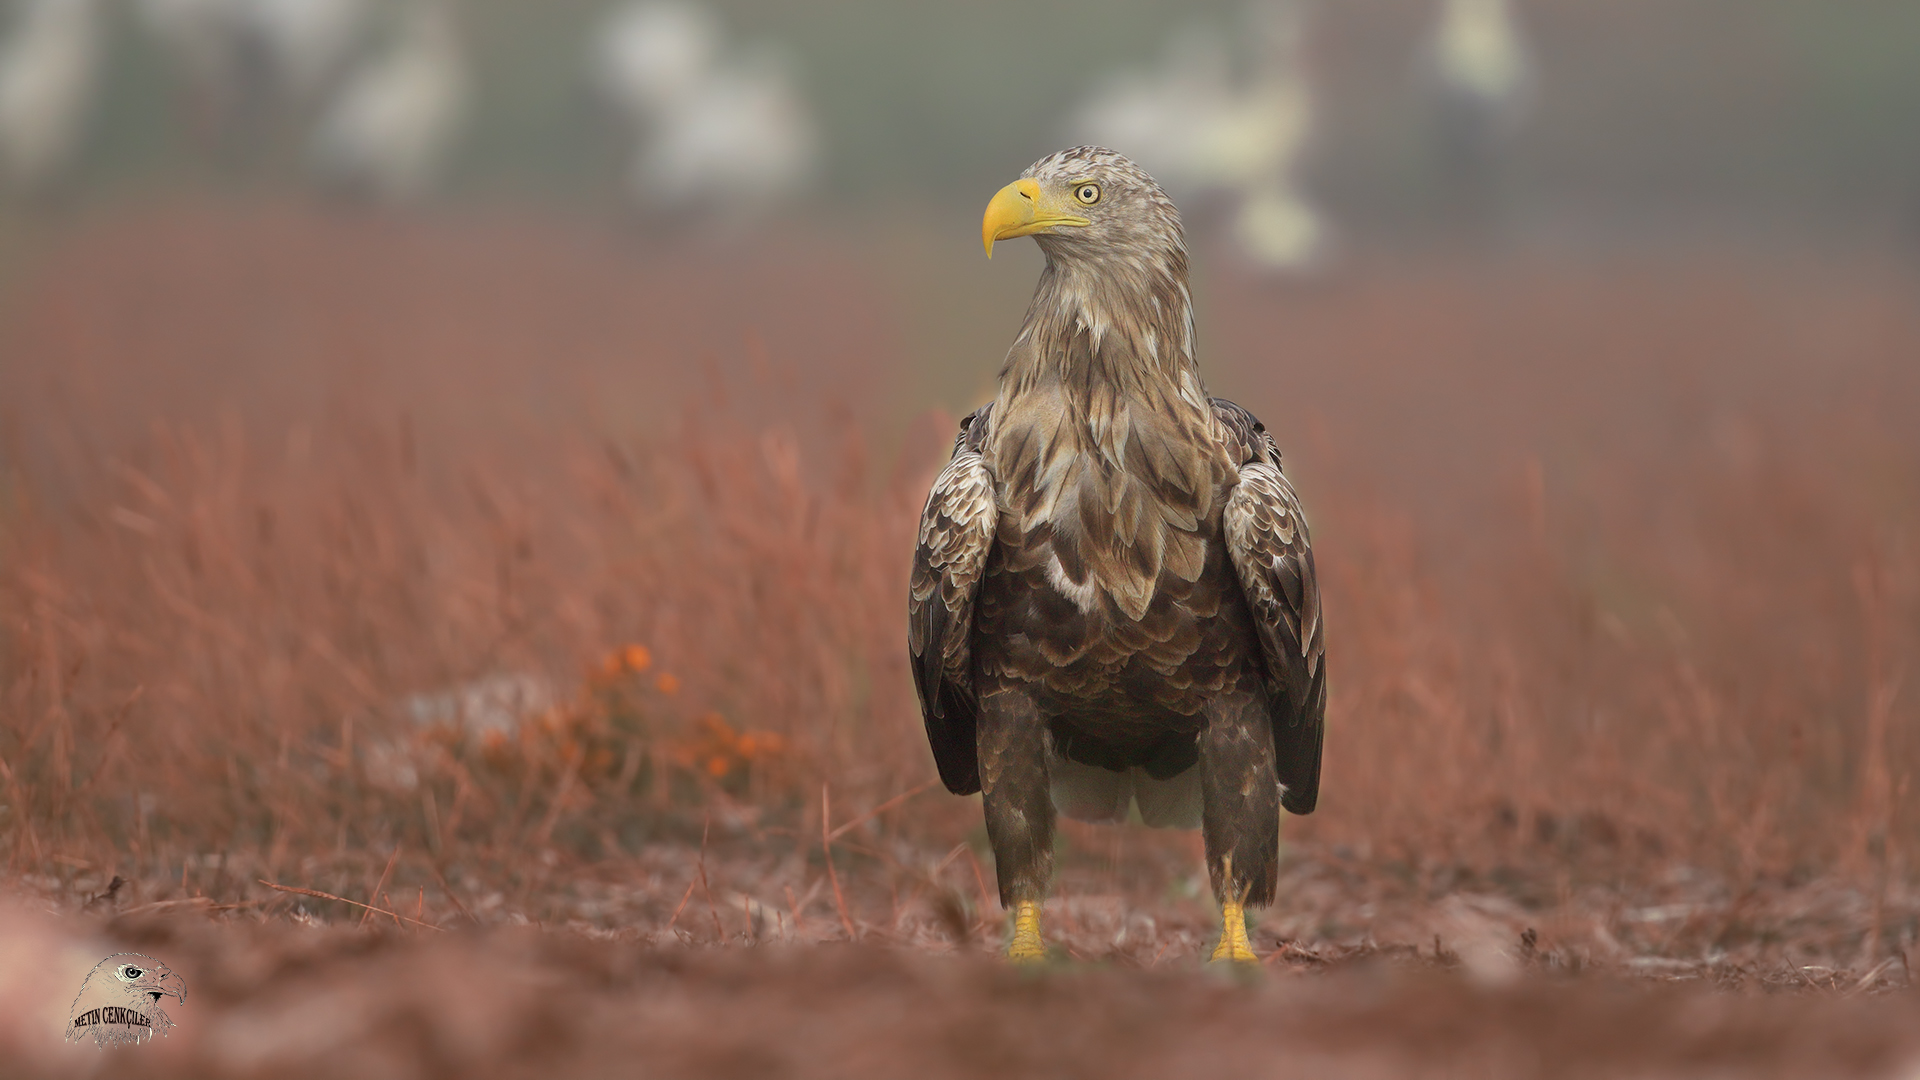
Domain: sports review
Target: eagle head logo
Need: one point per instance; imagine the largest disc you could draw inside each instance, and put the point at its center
(119, 1002)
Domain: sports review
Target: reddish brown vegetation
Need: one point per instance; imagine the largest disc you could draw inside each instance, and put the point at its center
(1621, 571)
(1624, 557)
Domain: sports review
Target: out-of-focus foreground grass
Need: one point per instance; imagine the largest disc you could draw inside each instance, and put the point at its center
(511, 549)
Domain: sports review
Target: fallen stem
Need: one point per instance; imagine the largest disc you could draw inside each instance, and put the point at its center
(878, 810)
(382, 884)
(684, 897)
(317, 894)
(826, 849)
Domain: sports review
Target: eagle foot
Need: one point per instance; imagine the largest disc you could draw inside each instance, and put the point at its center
(1234, 946)
(1027, 947)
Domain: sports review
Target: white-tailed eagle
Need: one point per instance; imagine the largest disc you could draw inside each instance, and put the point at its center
(1113, 600)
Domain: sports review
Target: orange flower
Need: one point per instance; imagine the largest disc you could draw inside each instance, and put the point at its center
(712, 745)
(625, 660)
(667, 684)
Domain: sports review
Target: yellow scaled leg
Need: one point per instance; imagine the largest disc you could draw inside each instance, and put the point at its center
(1234, 946)
(1026, 946)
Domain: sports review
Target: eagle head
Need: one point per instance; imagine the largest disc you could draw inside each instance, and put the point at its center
(132, 981)
(1087, 203)
(142, 980)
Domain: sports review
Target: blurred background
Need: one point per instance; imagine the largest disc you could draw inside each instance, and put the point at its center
(1299, 137)
(492, 432)
(1595, 123)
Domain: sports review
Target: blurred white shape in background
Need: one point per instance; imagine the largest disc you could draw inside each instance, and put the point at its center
(1276, 225)
(1158, 117)
(650, 56)
(302, 42)
(1478, 65)
(721, 132)
(493, 706)
(48, 67)
(497, 703)
(1478, 52)
(739, 144)
(1205, 131)
(390, 126)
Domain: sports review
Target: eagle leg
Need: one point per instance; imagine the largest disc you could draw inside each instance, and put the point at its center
(1027, 944)
(1234, 945)
(1016, 794)
(1240, 813)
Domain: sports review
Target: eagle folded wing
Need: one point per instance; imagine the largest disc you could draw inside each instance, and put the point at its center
(1267, 540)
(956, 533)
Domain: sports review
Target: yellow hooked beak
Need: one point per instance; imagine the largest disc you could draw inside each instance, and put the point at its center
(1022, 209)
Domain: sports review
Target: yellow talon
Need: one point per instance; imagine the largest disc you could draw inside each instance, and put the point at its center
(1027, 946)
(1234, 945)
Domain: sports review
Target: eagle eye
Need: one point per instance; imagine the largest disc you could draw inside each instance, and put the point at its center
(130, 972)
(1087, 194)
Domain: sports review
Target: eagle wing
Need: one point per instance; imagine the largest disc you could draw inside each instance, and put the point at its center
(1266, 535)
(956, 533)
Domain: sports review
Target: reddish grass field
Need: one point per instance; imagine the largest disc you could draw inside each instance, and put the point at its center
(533, 599)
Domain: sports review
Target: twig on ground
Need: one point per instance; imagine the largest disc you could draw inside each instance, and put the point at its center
(684, 897)
(317, 894)
(805, 902)
(544, 834)
(947, 860)
(719, 934)
(1872, 976)
(826, 850)
(878, 810)
(986, 898)
(451, 895)
(793, 907)
(374, 894)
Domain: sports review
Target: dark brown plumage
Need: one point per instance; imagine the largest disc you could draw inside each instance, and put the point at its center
(1113, 599)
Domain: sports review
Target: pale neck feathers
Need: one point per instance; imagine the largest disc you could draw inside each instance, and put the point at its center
(1108, 458)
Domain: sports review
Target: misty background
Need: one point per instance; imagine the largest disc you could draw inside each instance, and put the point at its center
(1644, 117)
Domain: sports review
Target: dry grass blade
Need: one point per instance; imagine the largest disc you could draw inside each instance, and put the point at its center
(878, 810)
(447, 890)
(380, 885)
(318, 895)
(826, 852)
(682, 905)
